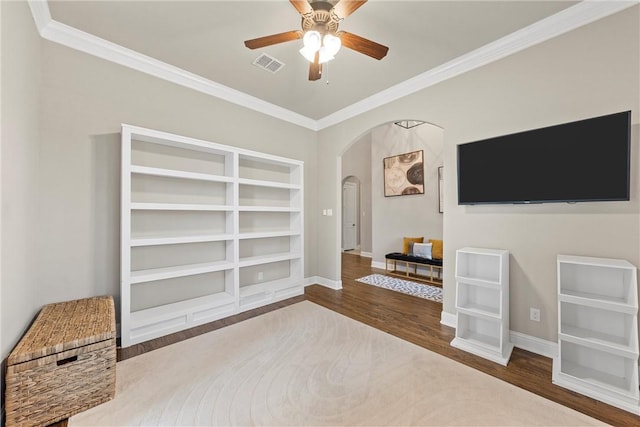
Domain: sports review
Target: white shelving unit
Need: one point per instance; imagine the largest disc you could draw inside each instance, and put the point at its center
(482, 303)
(598, 330)
(207, 231)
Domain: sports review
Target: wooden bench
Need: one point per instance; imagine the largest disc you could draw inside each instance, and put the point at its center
(432, 268)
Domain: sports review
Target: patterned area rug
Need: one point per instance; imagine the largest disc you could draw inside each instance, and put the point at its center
(406, 287)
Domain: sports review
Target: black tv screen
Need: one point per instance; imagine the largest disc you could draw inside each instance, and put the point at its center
(586, 160)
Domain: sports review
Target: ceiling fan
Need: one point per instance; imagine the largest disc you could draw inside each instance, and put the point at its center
(320, 34)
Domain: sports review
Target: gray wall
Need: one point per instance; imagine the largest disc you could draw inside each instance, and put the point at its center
(21, 72)
(415, 215)
(357, 162)
(67, 163)
(588, 72)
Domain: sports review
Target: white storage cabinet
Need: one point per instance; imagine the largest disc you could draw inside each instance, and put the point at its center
(207, 231)
(598, 330)
(482, 303)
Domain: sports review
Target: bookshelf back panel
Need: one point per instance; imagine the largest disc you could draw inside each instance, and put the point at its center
(270, 272)
(147, 257)
(158, 189)
(177, 223)
(167, 157)
(160, 292)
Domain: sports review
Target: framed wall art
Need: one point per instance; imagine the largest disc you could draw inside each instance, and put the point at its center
(404, 174)
(440, 190)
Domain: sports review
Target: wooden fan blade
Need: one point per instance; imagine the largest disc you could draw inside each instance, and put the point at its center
(273, 39)
(315, 69)
(345, 8)
(362, 45)
(302, 6)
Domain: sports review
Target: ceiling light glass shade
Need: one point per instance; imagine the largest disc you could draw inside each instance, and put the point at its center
(312, 40)
(332, 44)
(326, 46)
(309, 54)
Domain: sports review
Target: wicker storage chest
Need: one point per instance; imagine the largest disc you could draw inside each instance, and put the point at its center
(65, 363)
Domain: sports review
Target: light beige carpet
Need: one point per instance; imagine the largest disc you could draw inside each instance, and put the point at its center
(306, 365)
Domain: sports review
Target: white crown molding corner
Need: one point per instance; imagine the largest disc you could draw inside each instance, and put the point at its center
(582, 13)
(336, 285)
(448, 319)
(534, 344)
(40, 13)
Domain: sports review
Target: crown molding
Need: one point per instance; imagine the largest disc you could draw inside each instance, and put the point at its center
(562, 22)
(583, 13)
(66, 35)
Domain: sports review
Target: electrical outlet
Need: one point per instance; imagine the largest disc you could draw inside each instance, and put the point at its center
(260, 275)
(534, 314)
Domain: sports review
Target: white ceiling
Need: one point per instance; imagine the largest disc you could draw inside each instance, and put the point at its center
(206, 38)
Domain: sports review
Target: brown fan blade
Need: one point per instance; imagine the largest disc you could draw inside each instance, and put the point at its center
(345, 8)
(273, 39)
(315, 69)
(302, 6)
(362, 45)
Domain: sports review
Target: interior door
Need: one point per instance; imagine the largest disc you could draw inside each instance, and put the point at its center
(349, 215)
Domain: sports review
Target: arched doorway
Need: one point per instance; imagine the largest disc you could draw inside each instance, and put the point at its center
(390, 218)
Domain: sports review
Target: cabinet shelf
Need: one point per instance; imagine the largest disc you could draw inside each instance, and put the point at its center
(228, 216)
(178, 271)
(268, 234)
(598, 301)
(479, 282)
(268, 209)
(266, 259)
(598, 341)
(179, 207)
(271, 184)
(480, 310)
(172, 173)
(153, 241)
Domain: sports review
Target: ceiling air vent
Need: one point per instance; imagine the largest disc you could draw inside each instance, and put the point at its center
(268, 63)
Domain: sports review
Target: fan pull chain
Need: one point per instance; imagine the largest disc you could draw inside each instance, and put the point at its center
(326, 72)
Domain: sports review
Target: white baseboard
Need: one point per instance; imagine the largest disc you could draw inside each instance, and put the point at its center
(448, 319)
(534, 344)
(366, 254)
(378, 264)
(317, 280)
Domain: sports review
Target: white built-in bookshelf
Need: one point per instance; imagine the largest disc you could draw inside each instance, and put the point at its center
(207, 231)
(482, 303)
(598, 330)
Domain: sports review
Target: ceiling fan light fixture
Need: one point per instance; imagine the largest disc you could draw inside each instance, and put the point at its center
(309, 54)
(312, 40)
(332, 44)
(326, 46)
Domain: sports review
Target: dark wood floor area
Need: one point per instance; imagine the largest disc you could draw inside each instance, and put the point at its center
(418, 321)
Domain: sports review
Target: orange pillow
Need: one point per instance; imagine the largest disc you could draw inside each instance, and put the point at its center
(407, 240)
(436, 250)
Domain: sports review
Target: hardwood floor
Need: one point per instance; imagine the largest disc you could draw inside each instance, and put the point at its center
(418, 321)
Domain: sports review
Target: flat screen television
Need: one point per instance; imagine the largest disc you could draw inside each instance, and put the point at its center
(582, 161)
